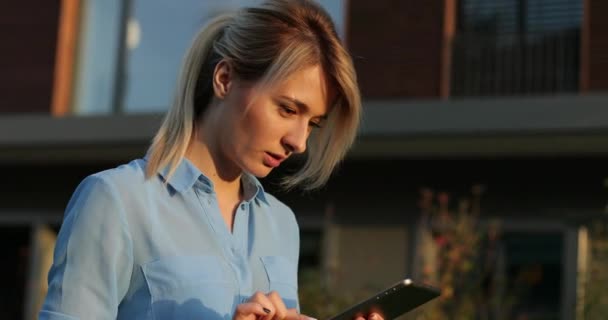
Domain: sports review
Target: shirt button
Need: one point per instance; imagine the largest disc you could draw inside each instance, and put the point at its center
(243, 206)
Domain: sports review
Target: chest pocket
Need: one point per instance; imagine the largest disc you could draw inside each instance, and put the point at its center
(188, 287)
(283, 278)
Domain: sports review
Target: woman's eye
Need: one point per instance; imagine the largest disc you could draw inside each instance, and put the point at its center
(287, 109)
(316, 125)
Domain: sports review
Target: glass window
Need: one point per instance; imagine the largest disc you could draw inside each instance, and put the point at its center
(519, 16)
(535, 273)
(516, 47)
(158, 33)
(97, 57)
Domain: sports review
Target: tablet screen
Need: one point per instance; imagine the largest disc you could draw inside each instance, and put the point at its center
(392, 302)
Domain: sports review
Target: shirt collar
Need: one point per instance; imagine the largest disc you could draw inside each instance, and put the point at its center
(252, 188)
(187, 174)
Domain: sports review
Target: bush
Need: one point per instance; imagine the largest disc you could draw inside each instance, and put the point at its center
(460, 256)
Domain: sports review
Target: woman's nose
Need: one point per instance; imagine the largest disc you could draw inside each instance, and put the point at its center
(295, 139)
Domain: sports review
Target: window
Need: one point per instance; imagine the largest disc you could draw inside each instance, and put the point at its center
(505, 47)
(519, 16)
(140, 75)
(534, 272)
(95, 73)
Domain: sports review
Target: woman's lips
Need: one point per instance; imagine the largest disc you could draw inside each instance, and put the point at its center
(272, 160)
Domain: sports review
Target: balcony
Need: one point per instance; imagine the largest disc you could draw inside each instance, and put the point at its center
(515, 64)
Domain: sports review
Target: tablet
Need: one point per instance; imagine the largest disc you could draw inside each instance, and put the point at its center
(398, 299)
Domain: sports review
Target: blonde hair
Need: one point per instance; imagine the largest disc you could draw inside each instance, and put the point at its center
(266, 44)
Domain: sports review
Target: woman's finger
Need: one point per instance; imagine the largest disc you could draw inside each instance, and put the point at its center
(246, 309)
(266, 304)
(280, 311)
(375, 316)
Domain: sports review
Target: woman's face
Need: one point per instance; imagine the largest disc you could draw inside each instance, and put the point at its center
(259, 129)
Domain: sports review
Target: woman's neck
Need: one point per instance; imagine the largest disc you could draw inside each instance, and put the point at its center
(208, 159)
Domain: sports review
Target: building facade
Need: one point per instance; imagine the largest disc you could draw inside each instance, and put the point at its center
(507, 94)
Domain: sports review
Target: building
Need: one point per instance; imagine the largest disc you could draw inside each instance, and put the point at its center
(505, 93)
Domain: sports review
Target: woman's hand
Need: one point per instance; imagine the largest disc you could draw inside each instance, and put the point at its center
(267, 307)
(372, 316)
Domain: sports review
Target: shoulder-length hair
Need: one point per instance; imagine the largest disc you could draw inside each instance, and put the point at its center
(266, 44)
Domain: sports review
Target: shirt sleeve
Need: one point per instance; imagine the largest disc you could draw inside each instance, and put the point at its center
(296, 250)
(92, 262)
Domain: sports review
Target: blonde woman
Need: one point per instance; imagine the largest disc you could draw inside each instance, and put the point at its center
(188, 232)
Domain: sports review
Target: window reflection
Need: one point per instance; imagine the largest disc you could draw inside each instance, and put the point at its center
(142, 77)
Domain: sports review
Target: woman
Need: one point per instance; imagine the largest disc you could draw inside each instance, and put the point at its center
(188, 232)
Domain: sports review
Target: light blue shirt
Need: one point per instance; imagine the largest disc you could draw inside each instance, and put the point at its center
(131, 248)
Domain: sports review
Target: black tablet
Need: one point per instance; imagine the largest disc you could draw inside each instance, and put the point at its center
(398, 299)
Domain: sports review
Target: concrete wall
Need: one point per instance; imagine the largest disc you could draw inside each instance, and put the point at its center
(366, 258)
(28, 40)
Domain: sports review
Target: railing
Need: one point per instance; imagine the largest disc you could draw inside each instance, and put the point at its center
(515, 64)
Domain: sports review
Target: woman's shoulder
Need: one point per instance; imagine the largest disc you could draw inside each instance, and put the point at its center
(127, 179)
(112, 188)
(124, 176)
(123, 186)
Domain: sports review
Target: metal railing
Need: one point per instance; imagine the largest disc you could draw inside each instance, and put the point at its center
(518, 64)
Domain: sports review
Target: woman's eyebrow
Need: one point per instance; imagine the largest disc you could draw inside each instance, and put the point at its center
(303, 106)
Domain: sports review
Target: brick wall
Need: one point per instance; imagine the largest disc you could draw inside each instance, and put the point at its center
(28, 36)
(397, 46)
(594, 46)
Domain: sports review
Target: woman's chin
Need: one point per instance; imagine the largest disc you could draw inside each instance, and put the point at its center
(260, 171)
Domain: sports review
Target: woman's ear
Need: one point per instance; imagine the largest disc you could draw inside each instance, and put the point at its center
(222, 79)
